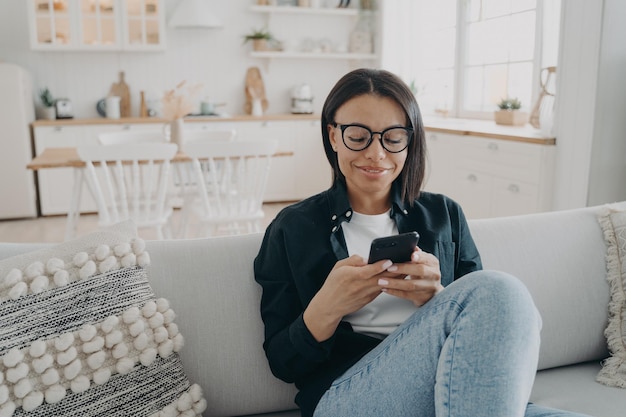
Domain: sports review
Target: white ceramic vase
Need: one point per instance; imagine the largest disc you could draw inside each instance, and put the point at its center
(177, 129)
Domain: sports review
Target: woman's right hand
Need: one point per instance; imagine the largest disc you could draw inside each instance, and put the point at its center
(351, 284)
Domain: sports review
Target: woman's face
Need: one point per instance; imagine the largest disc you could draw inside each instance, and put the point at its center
(369, 173)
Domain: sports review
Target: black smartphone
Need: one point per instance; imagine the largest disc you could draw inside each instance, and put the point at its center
(397, 248)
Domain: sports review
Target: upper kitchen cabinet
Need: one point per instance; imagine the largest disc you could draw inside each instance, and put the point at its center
(297, 33)
(92, 25)
(143, 24)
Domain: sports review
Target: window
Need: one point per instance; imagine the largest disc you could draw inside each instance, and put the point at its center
(463, 56)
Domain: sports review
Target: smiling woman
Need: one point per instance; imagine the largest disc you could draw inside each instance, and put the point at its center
(335, 323)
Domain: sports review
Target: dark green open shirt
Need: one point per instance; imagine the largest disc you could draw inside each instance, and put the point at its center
(300, 248)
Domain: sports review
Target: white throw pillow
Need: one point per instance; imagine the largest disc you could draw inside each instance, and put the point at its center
(82, 333)
(613, 223)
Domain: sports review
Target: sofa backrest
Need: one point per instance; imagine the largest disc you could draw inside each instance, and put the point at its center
(210, 285)
(560, 256)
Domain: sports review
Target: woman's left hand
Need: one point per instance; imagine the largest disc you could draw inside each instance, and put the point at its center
(422, 278)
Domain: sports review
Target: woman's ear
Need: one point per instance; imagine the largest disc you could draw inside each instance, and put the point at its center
(331, 136)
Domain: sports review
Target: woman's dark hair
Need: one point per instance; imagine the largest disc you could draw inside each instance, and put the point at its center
(383, 84)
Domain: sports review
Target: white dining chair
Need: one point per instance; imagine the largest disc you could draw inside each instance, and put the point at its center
(231, 178)
(130, 181)
(119, 138)
(182, 181)
(218, 135)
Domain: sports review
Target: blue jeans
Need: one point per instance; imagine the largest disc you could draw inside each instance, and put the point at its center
(472, 350)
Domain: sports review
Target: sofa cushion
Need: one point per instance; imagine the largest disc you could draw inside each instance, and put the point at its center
(560, 258)
(574, 388)
(613, 224)
(83, 334)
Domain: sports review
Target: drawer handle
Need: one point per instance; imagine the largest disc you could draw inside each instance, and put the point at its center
(58, 128)
(433, 137)
(514, 188)
(492, 146)
(126, 127)
(472, 178)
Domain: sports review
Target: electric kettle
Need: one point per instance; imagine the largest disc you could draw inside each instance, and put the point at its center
(301, 99)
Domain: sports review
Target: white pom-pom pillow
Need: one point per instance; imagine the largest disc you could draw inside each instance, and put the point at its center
(613, 223)
(82, 333)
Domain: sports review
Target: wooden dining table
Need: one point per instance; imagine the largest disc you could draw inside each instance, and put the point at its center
(68, 158)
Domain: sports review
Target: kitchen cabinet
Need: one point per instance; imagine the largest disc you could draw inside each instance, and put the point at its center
(62, 25)
(291, 177)
(298, 30)
(491, 177)
(313, 172)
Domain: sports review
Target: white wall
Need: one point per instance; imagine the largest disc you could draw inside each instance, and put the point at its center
(607, 179)
(577, 73)
(590, 120)
(214, 57)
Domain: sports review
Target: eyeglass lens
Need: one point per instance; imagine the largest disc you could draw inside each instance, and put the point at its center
(358, 138)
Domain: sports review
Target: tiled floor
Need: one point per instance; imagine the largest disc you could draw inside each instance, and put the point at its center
(52, 228)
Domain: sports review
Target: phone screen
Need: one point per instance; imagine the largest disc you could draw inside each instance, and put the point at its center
(397, 248)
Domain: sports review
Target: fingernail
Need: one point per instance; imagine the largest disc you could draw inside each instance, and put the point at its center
(415, 256)
(392, 268)
(383, 282)
(387, 264)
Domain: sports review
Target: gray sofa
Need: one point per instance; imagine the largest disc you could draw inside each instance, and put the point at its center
(559, 255)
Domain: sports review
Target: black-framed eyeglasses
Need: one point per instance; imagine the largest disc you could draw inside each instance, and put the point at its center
(357, 137)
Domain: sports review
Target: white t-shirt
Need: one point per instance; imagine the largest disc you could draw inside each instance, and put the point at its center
(381, 316)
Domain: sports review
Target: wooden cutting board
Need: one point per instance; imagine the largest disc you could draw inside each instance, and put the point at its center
(255, 90)
(122, 90)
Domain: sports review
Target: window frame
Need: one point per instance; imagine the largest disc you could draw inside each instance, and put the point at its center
(461, 64)
(455, 109)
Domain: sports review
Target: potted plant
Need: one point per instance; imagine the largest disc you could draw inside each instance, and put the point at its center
(509, 113)
(47, 110)
(259, 38)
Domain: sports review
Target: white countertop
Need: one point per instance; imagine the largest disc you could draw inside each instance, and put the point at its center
(468, 127)
(487, 128)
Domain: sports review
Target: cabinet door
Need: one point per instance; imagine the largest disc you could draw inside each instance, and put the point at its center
(440, 163)
(143, 25)
(473, 192)
(281, 184)
(55, 184)
(52, 24)
(98, 24)
(500, 157)
(512, 197)
(313, 173)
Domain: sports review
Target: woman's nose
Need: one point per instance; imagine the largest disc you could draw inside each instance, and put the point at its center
(375, 151)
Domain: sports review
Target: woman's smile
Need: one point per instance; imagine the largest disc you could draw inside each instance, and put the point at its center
(374, 171)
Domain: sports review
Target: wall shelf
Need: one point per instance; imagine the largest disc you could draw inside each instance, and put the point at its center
(306, 10)
(311, 55)
(289, 15)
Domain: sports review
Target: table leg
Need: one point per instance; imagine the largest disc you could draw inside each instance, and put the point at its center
(74, 210)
